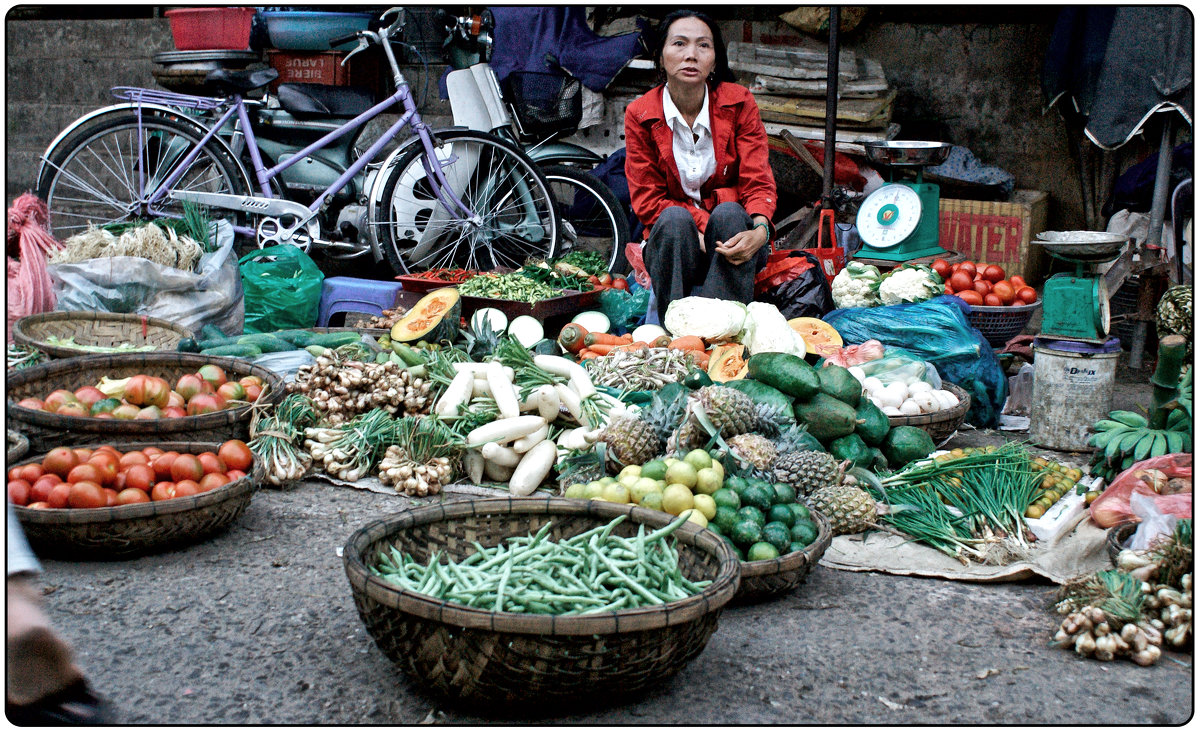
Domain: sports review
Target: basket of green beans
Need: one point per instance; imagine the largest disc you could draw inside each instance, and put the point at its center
(530, 605)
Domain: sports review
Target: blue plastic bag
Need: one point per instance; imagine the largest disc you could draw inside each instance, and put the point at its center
(936, 331)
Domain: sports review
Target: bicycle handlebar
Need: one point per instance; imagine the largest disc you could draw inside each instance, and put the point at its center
(344, 39)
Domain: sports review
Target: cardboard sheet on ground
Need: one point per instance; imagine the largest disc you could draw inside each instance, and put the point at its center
(1078, 552)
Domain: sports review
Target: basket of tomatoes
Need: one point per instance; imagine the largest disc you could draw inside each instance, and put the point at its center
(138, 396)
(1001, 306)
(110, 502)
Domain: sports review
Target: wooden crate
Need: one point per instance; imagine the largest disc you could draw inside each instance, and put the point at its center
(325, 67)
(998, 232)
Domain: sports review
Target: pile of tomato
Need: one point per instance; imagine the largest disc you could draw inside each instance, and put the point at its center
(984, 284)
(606, 280)
(83, 477)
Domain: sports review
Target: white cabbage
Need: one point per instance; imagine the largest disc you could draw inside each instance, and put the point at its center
(706, 317)
(767, 331)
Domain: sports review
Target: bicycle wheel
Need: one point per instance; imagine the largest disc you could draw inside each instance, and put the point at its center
(105, 172)
(514, 220)
(591, 219)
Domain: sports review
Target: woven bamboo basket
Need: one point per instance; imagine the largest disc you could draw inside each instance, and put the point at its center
(120, 532)
(770, 578)
(1117, 536)
(17, 446)
(942, 424)
(90, 328)
(46, 430)
(1000, 324)
(521, 662)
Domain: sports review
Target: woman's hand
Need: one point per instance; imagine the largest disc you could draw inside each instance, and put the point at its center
(741, 247)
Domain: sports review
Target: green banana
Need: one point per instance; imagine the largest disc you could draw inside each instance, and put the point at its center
(1130, 441)
(1176, 419)
(1174, 441)
(1160, 444)
(1100, 440)
(1127, 462)
(1141, 450)
(1113, 448)
(1127, 418)
(1105, 425)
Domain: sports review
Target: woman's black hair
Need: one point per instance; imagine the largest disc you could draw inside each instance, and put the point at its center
(721, 71)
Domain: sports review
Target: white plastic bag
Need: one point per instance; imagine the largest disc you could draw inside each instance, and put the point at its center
(1153, 524)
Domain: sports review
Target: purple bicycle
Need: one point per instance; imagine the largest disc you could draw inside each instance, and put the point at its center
(287, 169)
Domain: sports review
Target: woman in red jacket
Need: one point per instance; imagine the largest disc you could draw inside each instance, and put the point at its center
(696, 162)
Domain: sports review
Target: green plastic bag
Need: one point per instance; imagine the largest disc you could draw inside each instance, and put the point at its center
(282, 287)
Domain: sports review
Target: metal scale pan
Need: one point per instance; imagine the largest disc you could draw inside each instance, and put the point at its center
(1093, 247)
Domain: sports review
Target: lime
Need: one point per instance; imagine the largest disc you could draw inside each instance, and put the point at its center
(676, 499)
(708, 481)
(753, 514)
(695, 517)
(777, 535)
(781, 514)
(719, 468)
(746, 532)
(698, 459)
(705, 505)
(804, 532)
(735, 483)
(628, 480)
(726, 497)
(575, 490)
(741, 555)
(800, 510)
(655, 469)
(592, 490)
(725, 517)
(682, 473)
(758, 496)
(629, 470)
(641, 487)
(615, 493)
(607, 480)
(715, 529)
(652, 501)
(761, 551)
(784, 493)
(794, 547)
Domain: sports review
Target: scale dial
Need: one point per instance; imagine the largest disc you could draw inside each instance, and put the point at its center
(888, 216)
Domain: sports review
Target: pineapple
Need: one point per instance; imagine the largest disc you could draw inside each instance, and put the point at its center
(1175, 314)
(638, 439)
(481, 340)
(849, 508)
(772, 420)
(730, 411)
(807, 471)
(753, 448)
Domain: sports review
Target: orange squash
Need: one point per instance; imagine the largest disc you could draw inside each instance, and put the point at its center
(820, 338)
(728, 363)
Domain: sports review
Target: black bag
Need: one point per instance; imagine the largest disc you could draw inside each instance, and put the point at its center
(808, 295)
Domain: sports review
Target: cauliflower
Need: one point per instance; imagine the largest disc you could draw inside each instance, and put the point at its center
(767, 331)
(706, 317)
(909, 284)
(854, 286)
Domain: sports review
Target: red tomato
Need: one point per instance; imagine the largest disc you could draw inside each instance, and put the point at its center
(110, 497)
(139, 476)
(968, 267)
(971, 297)
(993, 273)
(1005, 292)
(162, 491)
(162, 464)
(31, 472)
(31, 403)
(109, 449)
(942, 267)
(983, 287)
(1018, 282)
(86, 494)
(152, 452)
(132, 495)
(40, 490)
(235, 475)
(14, 473)
(186, 488)
(39, 504)
(82, 453)
(134, 458)
(213, 374)
(605, 279)
(252, 392)
(87, 471)
(59, 461)
(213, 480)
(992, 301)
(187, 467)
(620, 283)
(960, 281)
(18, 492)
(118, 483)
(210, 462)
(251, 379)
(949, 290)
(59, 494)
(109, 466)
(1026, 293)
(236, 455)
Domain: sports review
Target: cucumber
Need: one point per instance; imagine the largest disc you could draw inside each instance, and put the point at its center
(204, 345)
(334, 340)
(265, 342)
(188, 345)
(762, 393)
(209, 332)
(789, 374)
(406, 353)
(235, 350)
(298, 337)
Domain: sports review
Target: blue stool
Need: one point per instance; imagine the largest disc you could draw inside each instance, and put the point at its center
(350, 294)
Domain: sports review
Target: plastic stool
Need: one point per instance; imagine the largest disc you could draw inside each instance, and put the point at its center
(350, 294)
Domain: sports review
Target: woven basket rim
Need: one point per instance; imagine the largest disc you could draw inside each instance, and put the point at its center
(61, 516)
(19, 448)
(945, 416)
(27, 323)
(1001, 309)
(794, 560)
(654, 617)
(122, 360)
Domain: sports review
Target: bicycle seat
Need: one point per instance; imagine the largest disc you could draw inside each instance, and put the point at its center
(228, 81)
(324, 100)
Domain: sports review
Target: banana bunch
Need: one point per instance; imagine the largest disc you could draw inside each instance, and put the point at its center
(1125, 438)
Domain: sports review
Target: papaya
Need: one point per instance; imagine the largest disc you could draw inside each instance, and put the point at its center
(905, 443)
(789, 374)
(727, 363)
(873, 424)
(839, 383)
(762, 393)
(820, 338)
(434, 318)
(827, 418)
(852, 448)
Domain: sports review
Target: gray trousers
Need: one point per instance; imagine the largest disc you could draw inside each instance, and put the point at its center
(678, 268)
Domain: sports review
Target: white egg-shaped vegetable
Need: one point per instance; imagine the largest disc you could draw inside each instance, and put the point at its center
(857, 373)
(891, 411)
(926, 401)
(909, 408)
(919, 386)
(875, 400)
(894, 394)
(946, 399)
(872, 384)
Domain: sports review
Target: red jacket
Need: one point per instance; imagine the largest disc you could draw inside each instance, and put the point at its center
(739, 141)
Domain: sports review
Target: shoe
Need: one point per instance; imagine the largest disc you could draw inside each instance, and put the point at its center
(75, 705)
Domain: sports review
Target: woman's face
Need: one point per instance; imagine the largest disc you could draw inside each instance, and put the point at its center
(689, 56)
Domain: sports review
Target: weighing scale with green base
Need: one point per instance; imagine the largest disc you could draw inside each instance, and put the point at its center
(1075, 305)
(899, 221)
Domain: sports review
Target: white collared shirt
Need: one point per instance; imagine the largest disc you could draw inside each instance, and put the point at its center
(692, 146)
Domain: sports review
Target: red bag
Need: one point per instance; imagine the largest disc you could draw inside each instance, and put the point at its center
(783, 265)
(633, 255)
(833, 257)
(1112, 507)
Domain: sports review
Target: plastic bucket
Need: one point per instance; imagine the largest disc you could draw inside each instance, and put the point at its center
(207, 29)
(1072, 388)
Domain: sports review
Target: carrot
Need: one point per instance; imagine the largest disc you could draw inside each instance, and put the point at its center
(662, 341)
(587, 353)
(606, 339)
(687, 343)
(602, 349)
(701, 358)
(632, 346)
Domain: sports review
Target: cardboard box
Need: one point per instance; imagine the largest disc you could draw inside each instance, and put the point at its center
(325, 67)
(998, 232)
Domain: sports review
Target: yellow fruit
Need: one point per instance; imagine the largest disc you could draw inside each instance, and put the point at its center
(1034, 511)
(607, 480)
(676, 499)
(698, 459)
(696, 517)
(630, 470)
(705, 505)
(592, 490)
(719, 469)
(616, 493)
(682, 473)
(628, 480)
(708, 481)
(642, 487)
(575, 490)
(654, 469)
(652, 501)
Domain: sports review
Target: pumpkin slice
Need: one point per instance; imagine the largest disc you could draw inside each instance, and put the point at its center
(728, 363)
(820, 338)
(434, 318)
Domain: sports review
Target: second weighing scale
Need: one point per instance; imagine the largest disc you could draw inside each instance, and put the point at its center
(1075, 305)
(899, 221)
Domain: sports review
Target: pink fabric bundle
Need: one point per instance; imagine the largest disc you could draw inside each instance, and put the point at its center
(29, 288)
